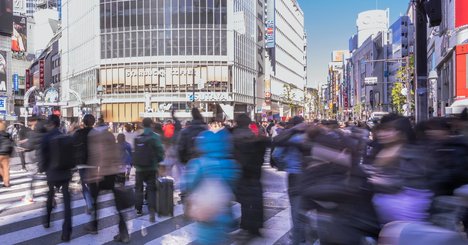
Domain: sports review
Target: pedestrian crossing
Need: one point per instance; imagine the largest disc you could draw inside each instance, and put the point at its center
(21, 220)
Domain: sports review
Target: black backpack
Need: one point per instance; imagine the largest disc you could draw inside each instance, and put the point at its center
(144, 154)
(62, 153)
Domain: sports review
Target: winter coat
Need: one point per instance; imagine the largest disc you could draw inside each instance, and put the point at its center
(53, 175)
(126, 153)
(186, 149)
(292, 139)
(249, 151)
(216, 158)
(6, 144)
(103, 155)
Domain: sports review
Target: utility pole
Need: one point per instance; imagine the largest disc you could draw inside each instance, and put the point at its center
(420, 75)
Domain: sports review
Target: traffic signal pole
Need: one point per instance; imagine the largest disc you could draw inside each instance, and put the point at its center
(420, 24)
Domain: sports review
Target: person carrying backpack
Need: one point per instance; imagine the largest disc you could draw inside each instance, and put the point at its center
(148, 153)
(57, 161)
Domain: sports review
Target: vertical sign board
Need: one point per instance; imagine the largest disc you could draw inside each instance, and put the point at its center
(461, 73)
(15, 82)
(3, 104)
(3, 71)
(41, 74)
(19, 38)
(270, 25)
(27, 83)
(59, 9)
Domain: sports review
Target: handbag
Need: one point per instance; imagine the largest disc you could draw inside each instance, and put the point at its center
(124, 197)
(210, 198)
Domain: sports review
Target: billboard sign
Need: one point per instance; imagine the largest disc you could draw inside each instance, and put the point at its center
(270, 25)
(19, 7)
(41, 74)
(3, 69)
(370, 81)
(6, 17)
(461, 18)
(19, 38)
(15, 82)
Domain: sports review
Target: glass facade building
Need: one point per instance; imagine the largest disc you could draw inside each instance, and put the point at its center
(154, 53)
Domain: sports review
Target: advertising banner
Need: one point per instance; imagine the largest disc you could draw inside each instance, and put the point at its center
(41, 74)
(6, 17)
(270, 25)
(461, 18)
(19, 38)
(3, 69)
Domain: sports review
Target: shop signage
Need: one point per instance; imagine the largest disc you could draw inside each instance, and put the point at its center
(206, 96)
(3, 104)
(157, 72)
(41, 74)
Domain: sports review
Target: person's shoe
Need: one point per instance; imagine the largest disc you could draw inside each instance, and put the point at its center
(122, 238)
(139, 212)
(91, 229)
(152, 217)
(255, 233)
(66, 237)
(24, 170)
(46, 221)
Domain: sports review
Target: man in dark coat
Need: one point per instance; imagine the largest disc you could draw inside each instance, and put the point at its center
(80, 144)
(249, 151)
(59, 178)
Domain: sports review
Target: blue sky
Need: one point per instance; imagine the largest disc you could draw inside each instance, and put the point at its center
(329, 25)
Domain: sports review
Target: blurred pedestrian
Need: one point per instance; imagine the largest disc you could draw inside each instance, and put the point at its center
(22, 149)
(186, 142)
(130, 135)
(106, 165)
(57, 162)
(288, 156)
(148, 153)
(209, 181)
(81, 156)
(126, 153)
(6, 148)
(248, 152)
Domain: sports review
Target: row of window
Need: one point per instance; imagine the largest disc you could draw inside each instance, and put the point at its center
(160, 43)
(158, 14)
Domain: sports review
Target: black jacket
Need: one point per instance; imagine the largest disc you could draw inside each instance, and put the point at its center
(186, 142)
(53, 175)
(80, 144)
(249, 152)
(6, 144)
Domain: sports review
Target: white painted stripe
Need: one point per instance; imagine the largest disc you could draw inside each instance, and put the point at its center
(15, 187)
(186, 234)
(138, 224)
(38, 230)
(39, 212)
(274, 228)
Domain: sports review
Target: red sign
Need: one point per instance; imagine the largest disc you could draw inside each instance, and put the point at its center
(461, 73)
(41, 74)
(461, 8)
(28, 80)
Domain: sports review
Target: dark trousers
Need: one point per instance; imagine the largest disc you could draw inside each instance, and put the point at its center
(297, 214)
(106, 184)
(22, 155)
(250, 196)
(148, 177)
(67, 221)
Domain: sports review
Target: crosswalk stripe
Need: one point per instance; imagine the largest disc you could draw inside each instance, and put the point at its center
(134, 225)
(186, 234)
(38, 230)
(31, 214)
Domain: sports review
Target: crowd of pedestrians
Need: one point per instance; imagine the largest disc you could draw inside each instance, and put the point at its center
(346, 183)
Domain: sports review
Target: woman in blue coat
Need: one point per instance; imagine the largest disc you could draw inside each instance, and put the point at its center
(215, 165)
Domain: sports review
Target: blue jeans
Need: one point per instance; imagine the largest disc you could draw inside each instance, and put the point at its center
(86, 193)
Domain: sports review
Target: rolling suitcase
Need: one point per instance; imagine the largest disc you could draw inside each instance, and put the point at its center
(165, 196)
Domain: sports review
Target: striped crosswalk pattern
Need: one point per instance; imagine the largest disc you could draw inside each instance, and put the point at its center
(21, 221)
